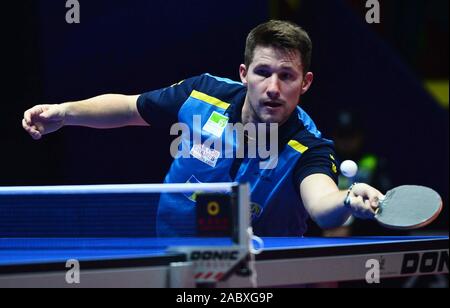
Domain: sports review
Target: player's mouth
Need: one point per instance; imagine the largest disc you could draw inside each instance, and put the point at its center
(273, 105)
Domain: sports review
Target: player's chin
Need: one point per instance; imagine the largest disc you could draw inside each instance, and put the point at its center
(273, 118)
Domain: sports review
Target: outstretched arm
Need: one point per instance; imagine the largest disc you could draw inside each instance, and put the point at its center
(325, 202)
(103, 112)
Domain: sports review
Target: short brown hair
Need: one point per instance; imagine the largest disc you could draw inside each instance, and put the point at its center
(280, 34)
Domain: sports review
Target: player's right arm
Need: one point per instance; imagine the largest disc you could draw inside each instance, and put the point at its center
(103, 112)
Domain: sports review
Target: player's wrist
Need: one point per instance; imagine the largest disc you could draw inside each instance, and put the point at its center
(65, 113)
(348, 196)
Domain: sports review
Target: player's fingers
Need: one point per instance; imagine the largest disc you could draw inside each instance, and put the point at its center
(369, 209)
(27, 117)
(29, 114)
(373, 195)
(36, 135)
(36, 111)
(31, 130)
(362, 208)
(357, 205)
(375, 200)
(25, 125)
(365, 210)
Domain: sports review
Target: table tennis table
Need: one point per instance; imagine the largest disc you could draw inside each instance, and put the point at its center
(49, 235)
(147, 263)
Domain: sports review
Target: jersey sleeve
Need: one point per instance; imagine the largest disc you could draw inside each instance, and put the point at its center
(165, 103)
(317, 160)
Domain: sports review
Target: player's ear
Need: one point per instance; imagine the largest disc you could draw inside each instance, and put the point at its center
(307, 82)
(243, 73)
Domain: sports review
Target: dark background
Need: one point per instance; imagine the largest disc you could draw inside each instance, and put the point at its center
(134, 46)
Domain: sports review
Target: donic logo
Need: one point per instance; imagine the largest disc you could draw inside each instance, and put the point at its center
(214, 255)
(425, 263)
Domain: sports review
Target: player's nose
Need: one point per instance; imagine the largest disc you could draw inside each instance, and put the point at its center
(273, 88)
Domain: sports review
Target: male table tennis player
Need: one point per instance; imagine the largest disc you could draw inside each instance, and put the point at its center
(275, 75)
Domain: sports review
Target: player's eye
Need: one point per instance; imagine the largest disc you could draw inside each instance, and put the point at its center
(263, 72)
(286, 76)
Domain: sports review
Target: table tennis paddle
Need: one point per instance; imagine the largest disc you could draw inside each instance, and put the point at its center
(409, 207)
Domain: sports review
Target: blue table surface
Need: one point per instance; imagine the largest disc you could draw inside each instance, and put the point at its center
(18, 251)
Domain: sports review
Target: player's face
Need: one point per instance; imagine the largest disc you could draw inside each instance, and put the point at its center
(275, 82)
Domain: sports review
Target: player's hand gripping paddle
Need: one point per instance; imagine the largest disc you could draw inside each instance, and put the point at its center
(409, 207)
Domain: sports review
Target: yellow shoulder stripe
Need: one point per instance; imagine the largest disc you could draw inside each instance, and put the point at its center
(210, 100)
(298, 146)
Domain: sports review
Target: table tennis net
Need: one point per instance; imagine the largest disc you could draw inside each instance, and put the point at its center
(113, 211)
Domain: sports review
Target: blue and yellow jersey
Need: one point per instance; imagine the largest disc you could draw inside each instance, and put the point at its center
(277, 208)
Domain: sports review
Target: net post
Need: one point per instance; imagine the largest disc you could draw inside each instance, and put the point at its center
(241, 213)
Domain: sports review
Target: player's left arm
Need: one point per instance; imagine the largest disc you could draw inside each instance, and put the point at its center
(325, 202)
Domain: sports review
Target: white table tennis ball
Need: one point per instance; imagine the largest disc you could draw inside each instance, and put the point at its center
(349, 168)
